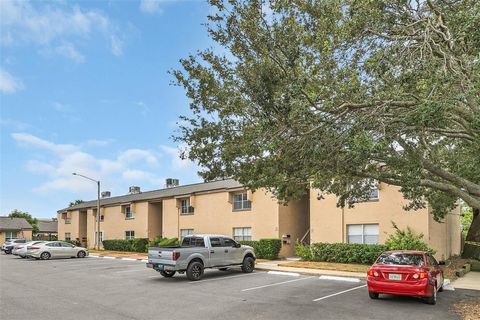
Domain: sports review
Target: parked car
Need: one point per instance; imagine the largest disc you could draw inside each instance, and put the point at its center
(406, 273)
(7, 247)
(198, 252)
(55, 249)
(20, 249)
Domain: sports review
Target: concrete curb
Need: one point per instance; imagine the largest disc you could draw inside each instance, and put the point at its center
(306, 271)
(118, 258)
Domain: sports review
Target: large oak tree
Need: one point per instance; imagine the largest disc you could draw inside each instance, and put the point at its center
(337, 92)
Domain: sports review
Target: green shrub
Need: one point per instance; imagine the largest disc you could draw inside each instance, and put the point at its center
(131, 245)
(406, 240)
(265, 248)
(139, 245)
(163, 242)
(340, 252)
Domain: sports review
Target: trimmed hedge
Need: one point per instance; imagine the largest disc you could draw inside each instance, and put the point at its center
(132, 245)
(163, 242)
(340, 252)
(265, 248)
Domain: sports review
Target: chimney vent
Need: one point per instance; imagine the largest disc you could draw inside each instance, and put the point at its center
(106, 194)
(134, 190)
(170, 183)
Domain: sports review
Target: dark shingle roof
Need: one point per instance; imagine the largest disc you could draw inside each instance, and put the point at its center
(161, 193)
(7, 223)
(47, 226)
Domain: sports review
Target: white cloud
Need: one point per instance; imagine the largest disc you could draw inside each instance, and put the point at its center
(54, 26)
(150, 6)
(176, 162)
(68, 50)
(98, 142)
(8, 83)
(17, 125)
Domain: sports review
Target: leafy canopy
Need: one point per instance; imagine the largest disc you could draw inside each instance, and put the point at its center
(333, 93)
(20, 214)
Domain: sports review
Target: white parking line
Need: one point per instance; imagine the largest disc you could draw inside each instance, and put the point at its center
(109, 258)
(277, 284)
(282, 273)
(347, 279)
(336, 294)
(230, 277)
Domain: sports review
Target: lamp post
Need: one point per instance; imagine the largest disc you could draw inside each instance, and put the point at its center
(97, 238)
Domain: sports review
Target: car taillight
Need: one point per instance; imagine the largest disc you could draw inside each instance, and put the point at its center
(420, 275)
(175, 255)
(373, 273)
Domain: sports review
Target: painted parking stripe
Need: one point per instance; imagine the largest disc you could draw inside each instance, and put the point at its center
(335, 278)
(278, 283)
(282, 273)
(129, 259)
(230, 277)
(341, 292)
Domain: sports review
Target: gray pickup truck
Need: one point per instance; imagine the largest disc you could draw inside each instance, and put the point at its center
(198, 252)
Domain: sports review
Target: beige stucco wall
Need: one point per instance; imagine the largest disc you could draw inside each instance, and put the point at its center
(214, 214)
(73, 227)
(294, 220)
(326, 220)
(154, 220)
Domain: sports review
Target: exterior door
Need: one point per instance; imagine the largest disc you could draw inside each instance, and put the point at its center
(55, 249)
(68, 249)
(233, 255)
(217, 252)
(435, 270)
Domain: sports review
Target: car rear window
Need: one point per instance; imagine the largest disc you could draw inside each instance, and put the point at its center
(193, 242)
(401, 259)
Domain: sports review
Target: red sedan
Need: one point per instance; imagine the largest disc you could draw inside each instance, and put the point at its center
(406, 273)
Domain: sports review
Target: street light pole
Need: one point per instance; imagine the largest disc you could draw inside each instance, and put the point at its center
(97, 238)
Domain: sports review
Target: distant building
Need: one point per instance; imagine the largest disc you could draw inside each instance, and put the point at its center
(14, 228)
(47, 229)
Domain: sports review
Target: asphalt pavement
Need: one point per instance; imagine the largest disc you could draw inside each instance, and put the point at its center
(100, 288)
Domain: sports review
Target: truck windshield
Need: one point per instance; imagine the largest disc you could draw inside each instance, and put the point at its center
(405, 259)
(193, 242)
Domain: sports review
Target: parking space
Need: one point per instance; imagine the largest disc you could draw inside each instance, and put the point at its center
(98, 288)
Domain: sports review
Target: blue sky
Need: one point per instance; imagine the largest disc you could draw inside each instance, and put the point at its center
(84, 88)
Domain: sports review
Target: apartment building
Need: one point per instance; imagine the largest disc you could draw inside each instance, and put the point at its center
(222, 207)
(226, 207)
(370, 221)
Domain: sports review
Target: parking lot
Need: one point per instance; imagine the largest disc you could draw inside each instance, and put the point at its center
(100, 288)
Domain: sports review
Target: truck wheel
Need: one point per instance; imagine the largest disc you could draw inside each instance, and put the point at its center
(195, 271)
(248, 264)
(167, 274)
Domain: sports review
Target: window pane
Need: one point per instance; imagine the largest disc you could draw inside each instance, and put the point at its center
(215, 242)
(354, 239)
(371, 229)
(401, 259)
(228, 242)
(371, 239)
(355, 229)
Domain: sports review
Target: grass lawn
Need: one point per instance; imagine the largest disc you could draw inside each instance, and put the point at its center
(326, 266)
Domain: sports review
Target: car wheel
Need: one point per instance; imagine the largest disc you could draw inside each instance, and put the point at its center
(167, 274)
(195, 271)
(433, 298)
(223, 269)
(373, 295)
(81, 254)
(45, 256)
(248, 264)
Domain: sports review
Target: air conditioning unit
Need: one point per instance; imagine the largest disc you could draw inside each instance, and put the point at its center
(106, 194)
(170, 182)
(134, 190)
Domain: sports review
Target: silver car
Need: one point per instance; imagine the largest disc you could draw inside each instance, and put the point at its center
(55, 249)
(7, 247)
(20, 249)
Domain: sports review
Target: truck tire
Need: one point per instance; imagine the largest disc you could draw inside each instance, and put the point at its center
(167, 274)
(195, 271)
(248, 265)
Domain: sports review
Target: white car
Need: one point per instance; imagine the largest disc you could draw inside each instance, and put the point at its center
(55, 249)
(20, 249)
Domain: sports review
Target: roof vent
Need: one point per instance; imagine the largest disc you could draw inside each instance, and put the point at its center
(134, 190)
(170, 183)
(106, 194)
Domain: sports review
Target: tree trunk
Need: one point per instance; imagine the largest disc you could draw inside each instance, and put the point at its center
(472, 242)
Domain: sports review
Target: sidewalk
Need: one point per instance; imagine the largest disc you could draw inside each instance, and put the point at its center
(469, 281)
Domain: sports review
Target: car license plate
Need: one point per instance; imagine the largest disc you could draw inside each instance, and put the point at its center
(394, 276)
(158, 267)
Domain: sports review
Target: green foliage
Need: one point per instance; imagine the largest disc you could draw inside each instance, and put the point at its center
(20, 214)
(74, 203)
(131, 245)
(406, 240)
(467, 217)
(330, 93)
(264, 248)
(340, 252)
(163, 242)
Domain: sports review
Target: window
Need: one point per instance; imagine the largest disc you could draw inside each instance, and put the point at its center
(432, 261)
(67, 245)
(68, 220)
(185, 232)
(54, 244)
(186, 208)
(242, 234)
(68, 236)
(227, 242)
(403, 259)
(362, 233)
(193, 242)
(10, 235)
(128, 213)
(372, 194)
(129, 235)
(215, 242)
(241, 202)
(102, 217)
